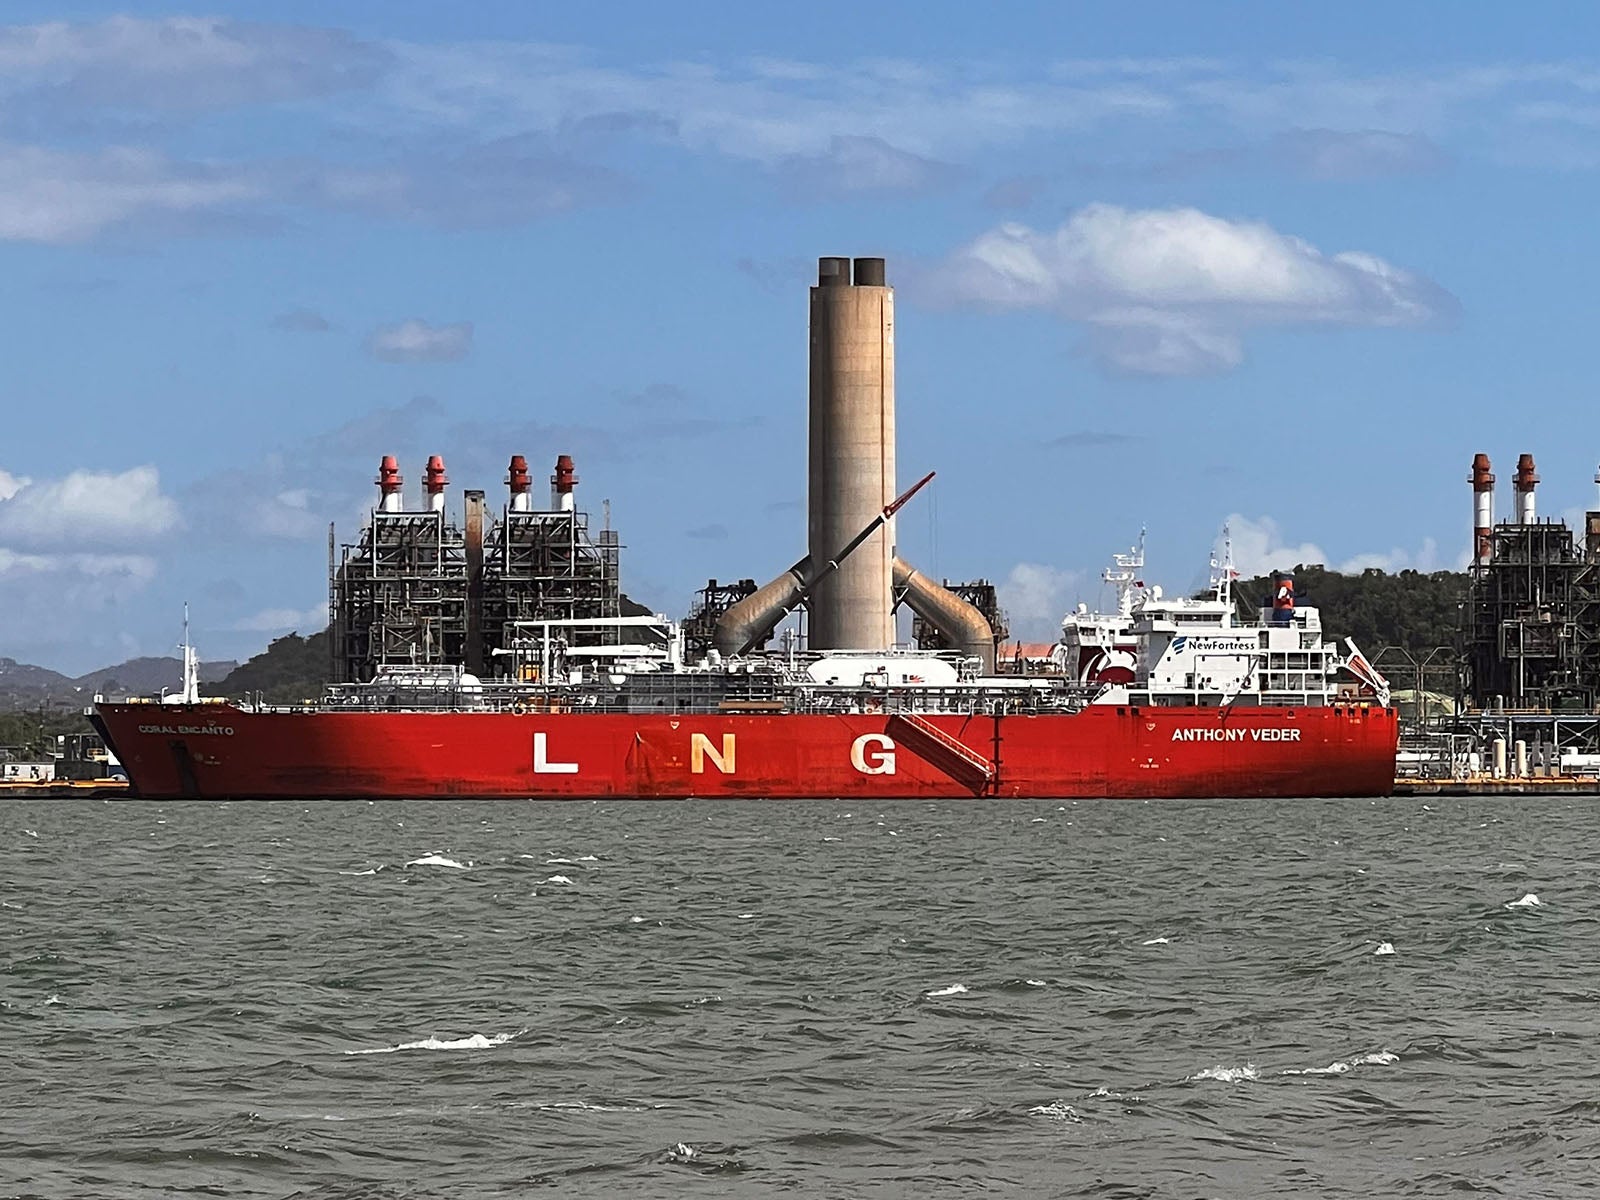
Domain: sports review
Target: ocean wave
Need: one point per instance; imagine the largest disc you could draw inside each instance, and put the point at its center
(476, 1041)
(1377, 1058)
(436, 860)
(955, 989)
(1221, 1074)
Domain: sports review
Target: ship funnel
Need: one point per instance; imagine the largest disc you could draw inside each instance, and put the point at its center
(520, 484)
(1282, 598)
(389, 484)
(1482, 510)
(1524, 482)
(561, 485)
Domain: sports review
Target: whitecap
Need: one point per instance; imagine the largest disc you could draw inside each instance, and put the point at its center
(476, 1041)
(54, 999)
(33, 833)
(588, 858)
(1529, 900)
(1226, 1074)
(1157, 941)
(1038, 821)
(436, 860)
(745, 916)
(955, 989)
(1375, 1059)
(832, 839)
(1383, 948)
(1034, 982)
(1056, 1110)
(558, 879)
(635, 920)
(368, 871)
(552, 861)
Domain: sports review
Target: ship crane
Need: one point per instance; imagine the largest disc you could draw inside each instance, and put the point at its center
(799, 580)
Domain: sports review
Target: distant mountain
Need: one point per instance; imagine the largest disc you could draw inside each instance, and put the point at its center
(143, 676)
(25, 686)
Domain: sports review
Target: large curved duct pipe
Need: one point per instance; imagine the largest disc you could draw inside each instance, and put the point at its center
(747, 624)
(962, 624)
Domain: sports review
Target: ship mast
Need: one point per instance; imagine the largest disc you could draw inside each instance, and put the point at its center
(1123, 575)
(191, 665)
(1222, 576)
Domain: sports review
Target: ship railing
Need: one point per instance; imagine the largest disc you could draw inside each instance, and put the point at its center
(776, 697)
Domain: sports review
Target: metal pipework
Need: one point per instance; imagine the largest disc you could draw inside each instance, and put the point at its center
(962, 624)
(748, 622)
(852, 440)
(389, 484)
(1525, 480)
(473, 537)
(1482, 510)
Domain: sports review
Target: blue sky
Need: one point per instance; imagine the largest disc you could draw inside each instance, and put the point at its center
(1171, 265)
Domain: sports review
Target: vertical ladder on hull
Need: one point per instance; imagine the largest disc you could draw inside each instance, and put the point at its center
(938, 749)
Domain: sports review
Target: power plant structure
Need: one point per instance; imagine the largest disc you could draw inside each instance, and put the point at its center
(1532, 628)
(849, 600)
(491, 596)
(418, 591)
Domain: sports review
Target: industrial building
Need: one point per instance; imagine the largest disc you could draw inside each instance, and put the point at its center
(1532, 629)
(418, 591)
(1529, 667)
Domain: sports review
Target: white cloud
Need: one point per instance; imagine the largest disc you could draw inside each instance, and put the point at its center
(87, 507)
(417, 341)
(1173, 291)
(180, 63)
(1260, 548)
(62, 197)
(136, 569)
(283, 620)
(11, 484)
(1035, 598)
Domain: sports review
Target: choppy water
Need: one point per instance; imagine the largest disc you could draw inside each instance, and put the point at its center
(1339, 998)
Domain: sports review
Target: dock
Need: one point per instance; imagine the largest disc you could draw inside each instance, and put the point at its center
(63, 789)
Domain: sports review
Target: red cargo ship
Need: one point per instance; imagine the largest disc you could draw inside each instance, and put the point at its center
(1163, 698)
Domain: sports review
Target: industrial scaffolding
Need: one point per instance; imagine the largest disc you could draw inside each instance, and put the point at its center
(544, 567)
(399, 596)
(418, 592)
(979, 593)
(1533, 630)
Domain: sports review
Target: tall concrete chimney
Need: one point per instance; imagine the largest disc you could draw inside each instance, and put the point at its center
(850, 486)
(852, 442)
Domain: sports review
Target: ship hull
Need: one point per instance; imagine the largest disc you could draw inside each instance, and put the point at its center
(220, 751)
